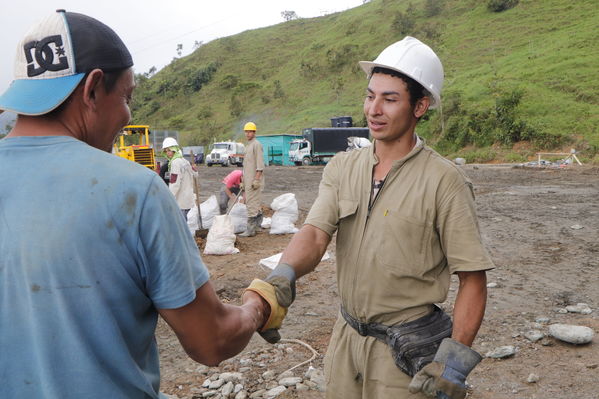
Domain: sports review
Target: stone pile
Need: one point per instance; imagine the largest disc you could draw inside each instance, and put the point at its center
(256, 375)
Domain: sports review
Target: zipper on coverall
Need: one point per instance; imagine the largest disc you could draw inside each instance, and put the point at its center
(371, 202)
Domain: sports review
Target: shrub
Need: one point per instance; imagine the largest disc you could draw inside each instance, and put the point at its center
(480, 156)
(515, 158)
(200, 77)
(403, 23)
(204, 113)
(235, 107)
(176, 122)
(337, 58)
(278, 92)
(501, 5)
(432, 7)
(229, 81)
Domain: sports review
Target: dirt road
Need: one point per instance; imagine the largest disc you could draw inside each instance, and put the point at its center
(541, 227)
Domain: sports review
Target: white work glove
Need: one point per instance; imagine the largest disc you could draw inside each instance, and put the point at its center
(256, 184)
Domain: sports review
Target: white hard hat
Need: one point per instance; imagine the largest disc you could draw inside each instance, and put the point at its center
(169, 142)
(414, 59)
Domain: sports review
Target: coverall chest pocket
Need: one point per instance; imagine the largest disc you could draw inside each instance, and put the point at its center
(346, 227)
(347, 208)
(403, 241)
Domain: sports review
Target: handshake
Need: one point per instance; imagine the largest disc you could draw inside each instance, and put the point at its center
(278, 290)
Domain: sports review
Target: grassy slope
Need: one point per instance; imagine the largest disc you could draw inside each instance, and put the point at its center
(546, 47)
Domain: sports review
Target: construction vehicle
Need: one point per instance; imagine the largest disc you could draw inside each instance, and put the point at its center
(133, 143)
(226, 153)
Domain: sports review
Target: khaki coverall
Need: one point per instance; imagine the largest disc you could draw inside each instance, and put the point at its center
(253, 161)
(393, 261)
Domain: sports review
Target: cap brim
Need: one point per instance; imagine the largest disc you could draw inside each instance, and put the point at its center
(38, 96)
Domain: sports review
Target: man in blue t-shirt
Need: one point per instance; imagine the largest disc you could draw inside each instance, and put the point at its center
(93, 246)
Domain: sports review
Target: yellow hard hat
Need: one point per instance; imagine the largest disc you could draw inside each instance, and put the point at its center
(250, 126)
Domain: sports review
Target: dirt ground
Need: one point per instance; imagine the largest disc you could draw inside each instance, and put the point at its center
(541, 227)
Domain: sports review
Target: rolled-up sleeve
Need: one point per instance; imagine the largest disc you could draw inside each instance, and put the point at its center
(458, 229)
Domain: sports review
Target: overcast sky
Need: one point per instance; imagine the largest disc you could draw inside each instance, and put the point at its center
(151, 29)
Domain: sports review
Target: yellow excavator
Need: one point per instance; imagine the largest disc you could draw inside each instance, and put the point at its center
(133, 143)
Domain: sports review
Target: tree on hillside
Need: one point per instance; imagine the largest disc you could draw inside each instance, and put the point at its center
(289, 15)
(197, 44)
(179, 49)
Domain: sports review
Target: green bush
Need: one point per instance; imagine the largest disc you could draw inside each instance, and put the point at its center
(480, 156)
(501, 5)
(500, 124)
(337, 58)
(515, 158)
(432, 7)
(229, 81)
(278, 91)
(403, 23)
(200, 77)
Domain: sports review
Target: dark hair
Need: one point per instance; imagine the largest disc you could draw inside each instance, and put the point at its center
(110, 79)
(416, 90)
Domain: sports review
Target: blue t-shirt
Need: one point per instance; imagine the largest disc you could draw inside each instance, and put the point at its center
(90, 246)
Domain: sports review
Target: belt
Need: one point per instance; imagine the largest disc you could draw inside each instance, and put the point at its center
(376, 330)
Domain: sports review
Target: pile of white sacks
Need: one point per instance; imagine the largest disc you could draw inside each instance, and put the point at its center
(222, 228)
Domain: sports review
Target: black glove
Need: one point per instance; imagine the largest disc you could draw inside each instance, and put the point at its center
(283, 279)
(445, 377)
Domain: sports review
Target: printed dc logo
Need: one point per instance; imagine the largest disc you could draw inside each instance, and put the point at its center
(43, 52)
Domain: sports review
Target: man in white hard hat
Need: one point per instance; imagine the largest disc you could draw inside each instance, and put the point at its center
(93, 246)
(405, 221)
(253, 179)
(179, 174)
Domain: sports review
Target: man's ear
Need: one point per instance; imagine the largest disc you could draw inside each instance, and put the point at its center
(421, 106)
(91, 87)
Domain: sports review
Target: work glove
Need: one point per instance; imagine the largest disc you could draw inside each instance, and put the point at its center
(445, 376)
(278, 289)
(241, 186)
(256, 184)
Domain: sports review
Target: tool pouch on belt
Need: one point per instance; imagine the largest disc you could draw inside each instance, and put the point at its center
(414, 344)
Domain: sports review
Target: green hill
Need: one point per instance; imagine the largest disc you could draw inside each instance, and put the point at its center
(516, 81)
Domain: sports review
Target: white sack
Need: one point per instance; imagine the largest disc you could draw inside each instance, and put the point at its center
(286, 214)
(272, 261)
(192, 220)
(265, 222)
(221, 238)
(239, 216)
(210, 209)
(354, 143)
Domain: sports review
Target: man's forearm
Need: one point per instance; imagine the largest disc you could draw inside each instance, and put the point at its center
(469, 308)
(240, 324)
(211, 331)
(306, 249)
